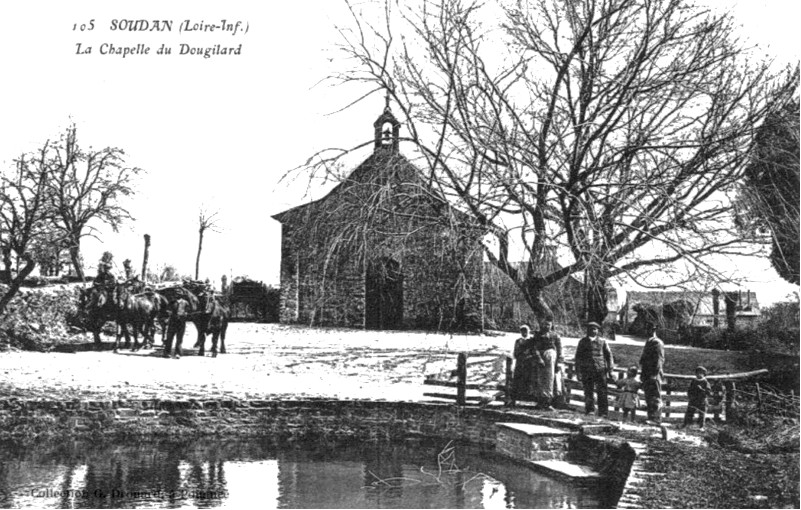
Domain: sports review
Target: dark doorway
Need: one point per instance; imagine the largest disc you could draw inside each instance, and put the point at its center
(383, 295)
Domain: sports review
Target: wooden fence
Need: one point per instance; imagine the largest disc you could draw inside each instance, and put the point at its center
(722, 402)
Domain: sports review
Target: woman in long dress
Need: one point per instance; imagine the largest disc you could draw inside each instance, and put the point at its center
(524, 354)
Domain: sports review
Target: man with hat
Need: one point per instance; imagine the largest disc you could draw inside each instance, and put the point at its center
(104, 279)
(651, 362)
(594, 363)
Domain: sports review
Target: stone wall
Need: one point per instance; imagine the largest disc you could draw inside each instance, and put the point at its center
(612, 458)
(293, 419)
(288, 303)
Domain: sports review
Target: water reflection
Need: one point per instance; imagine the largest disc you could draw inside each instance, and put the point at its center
(205, 474)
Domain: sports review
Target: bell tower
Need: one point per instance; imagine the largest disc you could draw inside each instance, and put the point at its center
(387, 131)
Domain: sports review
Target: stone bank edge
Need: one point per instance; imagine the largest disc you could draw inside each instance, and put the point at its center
(294, 420)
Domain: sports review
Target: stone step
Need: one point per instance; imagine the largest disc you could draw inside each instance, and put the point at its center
(534, 430)
(567, 470)
(528, 442)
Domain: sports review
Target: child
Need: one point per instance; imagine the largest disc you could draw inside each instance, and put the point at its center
(697, 393)
(629, 400)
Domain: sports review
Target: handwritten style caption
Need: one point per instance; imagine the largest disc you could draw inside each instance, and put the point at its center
(225, 32)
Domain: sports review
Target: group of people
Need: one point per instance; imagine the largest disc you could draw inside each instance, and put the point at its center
(539, 366)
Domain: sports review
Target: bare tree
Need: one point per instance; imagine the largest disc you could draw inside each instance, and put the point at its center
(24, 216)
(86, 189)
(606, 133)
(206, 222)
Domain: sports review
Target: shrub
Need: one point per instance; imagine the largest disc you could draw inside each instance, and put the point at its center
(777, 331)
(39, 319)
(272, 304)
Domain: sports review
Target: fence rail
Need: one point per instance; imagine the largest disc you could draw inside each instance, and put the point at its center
(722, 402)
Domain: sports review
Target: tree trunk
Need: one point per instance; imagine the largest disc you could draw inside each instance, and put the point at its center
(75, 257)
(730, 298)
(145, 257)
(199, 249)
(7, 265)
(595, 282)
(17, 282)
(533, 290)
(715, 308)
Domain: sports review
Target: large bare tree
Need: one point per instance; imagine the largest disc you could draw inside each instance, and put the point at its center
(605, 133)
(25, 218)
(86, 189)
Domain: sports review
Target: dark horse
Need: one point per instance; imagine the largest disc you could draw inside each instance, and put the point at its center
(205, 310)
(213, 319)
(96, 306)
(139, 311)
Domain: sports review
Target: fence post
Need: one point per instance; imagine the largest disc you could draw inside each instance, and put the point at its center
(759, 397)
(461, 378)
(717, 399)
(509, 380)
(620, 376)
(569, 388)
(668, 386)
(731, 401)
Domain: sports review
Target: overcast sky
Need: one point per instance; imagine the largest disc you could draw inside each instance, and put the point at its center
(217, 132)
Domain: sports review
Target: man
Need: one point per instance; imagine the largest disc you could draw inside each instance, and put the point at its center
(594, 364)
(104, 278)
(549, 347)
(651, 362)
(176, 327)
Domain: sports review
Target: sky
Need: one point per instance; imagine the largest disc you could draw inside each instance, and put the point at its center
(219, 133)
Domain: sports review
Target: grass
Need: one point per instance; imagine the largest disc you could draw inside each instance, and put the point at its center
(715, 477)
(783, 369)
(683, 360)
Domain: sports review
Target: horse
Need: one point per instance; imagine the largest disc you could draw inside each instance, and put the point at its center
(171, 295)
(213, 320)
(96, 307)
(204, 310)
(139, 311)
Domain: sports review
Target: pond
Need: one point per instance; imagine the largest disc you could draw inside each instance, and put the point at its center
(207, 473)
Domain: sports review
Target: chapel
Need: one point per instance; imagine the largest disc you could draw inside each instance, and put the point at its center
(382, 250)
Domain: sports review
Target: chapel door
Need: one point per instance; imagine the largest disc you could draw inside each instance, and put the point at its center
(384, 295)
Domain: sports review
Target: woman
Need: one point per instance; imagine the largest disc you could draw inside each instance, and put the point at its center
(525, 357)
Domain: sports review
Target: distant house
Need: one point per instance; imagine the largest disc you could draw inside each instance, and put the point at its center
(383, 250)
(673, 309)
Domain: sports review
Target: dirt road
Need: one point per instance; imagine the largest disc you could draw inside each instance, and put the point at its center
(263, 361)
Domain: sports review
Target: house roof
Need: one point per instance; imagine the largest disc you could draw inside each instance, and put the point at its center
(702, 302)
